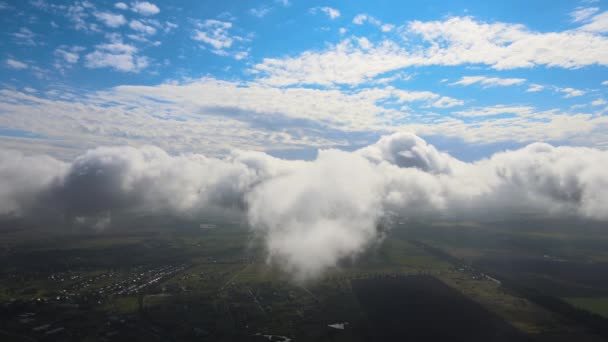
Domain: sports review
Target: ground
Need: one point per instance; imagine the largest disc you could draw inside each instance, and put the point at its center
(176, 281)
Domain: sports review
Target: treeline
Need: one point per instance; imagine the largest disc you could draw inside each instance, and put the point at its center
(592, 321)
(438, 252)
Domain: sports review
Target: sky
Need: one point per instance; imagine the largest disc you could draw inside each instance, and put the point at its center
(313, 123)
(290, 77)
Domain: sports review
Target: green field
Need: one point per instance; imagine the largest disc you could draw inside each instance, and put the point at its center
(598, 305)
(186, 283)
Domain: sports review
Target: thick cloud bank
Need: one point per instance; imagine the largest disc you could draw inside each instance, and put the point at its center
(311, 214)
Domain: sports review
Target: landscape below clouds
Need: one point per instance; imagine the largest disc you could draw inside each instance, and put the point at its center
(310, 214)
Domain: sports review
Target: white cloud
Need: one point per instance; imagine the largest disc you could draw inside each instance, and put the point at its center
(206, 114)
(387, 27)
(169, 26)
(117, 56)
(507, 46)
(583, 13)
(345, 63)
(598, 102)
(334, 202)
(359, 19)
(283, 2)
(447, 102)
(332, 13)
(25, 36)
(362, 18)
(212, 115)
(141, 27)
(455, 41)
(67, 56)
(78, 14)
(496, 110)
(215, 33)
(241, 55)
(15, 64)
(145, 8)
(121, 6)
(364, 43)
(260, 12)
(535, 88)
(489, 81)
(598, 23)
(110, 19)
(570, 92)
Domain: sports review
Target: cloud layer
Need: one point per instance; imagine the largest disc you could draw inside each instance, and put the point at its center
(311, 214)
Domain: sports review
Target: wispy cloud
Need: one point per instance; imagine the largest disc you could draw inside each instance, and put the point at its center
(15, 64)
(583, 13)
(489, 81)
(495, 110)
(25, 36)
(332, 13)
(260, 12)
(110, 19)
(141, 27)
(570, 92)
(362, 18)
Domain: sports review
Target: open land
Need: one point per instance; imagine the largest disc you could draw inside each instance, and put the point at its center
(211, 282)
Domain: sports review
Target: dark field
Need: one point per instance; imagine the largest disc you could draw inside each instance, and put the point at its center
(423, 283)
(560, 278)
(422, 308)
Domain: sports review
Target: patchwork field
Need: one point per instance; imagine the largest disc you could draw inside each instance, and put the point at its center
(191, 284)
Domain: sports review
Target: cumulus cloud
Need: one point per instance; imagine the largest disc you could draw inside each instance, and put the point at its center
(70, 56)
(117, 56)
(25, 179)
(110, 19)
(310, 214)
(215, 33)
(193, 116)
(533, 88)
(408, 151)
(144, 8)
(310, 227)
(449, 42)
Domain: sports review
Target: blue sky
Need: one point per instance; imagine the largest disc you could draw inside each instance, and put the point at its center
(290, 77)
